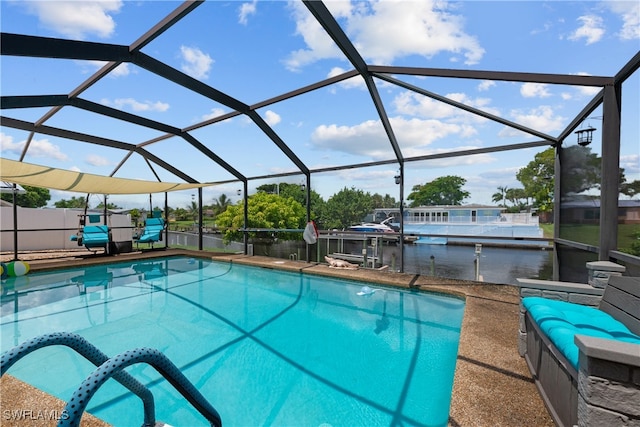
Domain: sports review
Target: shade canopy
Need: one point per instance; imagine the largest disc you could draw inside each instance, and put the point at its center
(59, 179)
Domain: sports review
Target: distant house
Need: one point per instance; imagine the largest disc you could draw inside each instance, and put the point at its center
(588, 212)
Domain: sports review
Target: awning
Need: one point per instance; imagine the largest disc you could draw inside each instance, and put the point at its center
(59, 179)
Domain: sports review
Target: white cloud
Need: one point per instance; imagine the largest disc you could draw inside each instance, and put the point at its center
(542, 119)
(630, 163)
(95, 160)
(353, 82)
(535, 90)
(413, 104)
(629, 12)
(385, 30)
(92, 66)
(130, 103)
(369, 139)
(195, 63)
(592, 29)
(448, 162)
(37, 148)
(319, 44)
(246, 9)
(272, 118)
(486, 85)
(121, 70)
(215, 112)
(587, 91)
(77, 19)
(411, 28)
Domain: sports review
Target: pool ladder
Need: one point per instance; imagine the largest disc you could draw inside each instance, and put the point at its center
(113, 368)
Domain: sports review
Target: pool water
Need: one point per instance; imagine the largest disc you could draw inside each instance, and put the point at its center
(265, 347)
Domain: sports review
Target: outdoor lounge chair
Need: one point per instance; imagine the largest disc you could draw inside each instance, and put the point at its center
(93, 236)
(152, 232)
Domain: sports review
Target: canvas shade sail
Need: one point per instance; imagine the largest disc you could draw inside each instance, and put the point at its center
(59, 179)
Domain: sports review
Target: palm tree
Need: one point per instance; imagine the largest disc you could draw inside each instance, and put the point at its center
(500, 196)
(220, 204)
(192, 210)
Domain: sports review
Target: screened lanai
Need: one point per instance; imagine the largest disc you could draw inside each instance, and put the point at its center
(338, 96)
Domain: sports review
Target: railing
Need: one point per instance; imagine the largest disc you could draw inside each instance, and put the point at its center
(504, 219)
(113, 368)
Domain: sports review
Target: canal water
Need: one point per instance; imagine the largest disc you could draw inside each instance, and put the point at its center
(495, 264)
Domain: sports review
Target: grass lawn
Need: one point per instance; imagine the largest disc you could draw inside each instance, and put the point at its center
(590, 234)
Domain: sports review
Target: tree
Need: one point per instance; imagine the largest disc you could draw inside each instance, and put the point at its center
(74, 202)
(445, 190)
(181, 214)
(299, 194)
(345, 208)
(109, 206)
(516, 197)
(34, 197)
(220, 204)
(500, 196)
(135, 215)
(192, 210)
(383, 202)
(581, 171)
(630, 189)
(537, 178)
(264, 211)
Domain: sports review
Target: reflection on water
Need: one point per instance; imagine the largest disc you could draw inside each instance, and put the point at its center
(497, 265)
(91, 283)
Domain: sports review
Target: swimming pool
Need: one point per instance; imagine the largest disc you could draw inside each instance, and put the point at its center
(265, 347)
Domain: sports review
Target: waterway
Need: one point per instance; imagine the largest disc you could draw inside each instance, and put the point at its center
(495, 264)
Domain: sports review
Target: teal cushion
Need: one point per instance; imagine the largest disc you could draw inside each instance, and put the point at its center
(95, 235)
(561, 321)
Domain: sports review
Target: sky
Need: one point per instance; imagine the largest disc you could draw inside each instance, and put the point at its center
(253, 51)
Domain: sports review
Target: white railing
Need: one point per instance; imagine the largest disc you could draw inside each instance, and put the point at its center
(506, 219)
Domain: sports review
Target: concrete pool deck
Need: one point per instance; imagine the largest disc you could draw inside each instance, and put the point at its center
(492, 384)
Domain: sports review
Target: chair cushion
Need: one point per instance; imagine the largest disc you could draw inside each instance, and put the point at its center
(95, 235)
(560, 321)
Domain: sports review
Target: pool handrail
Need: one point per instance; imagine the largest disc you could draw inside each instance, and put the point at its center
(89, 352)
(75, 407)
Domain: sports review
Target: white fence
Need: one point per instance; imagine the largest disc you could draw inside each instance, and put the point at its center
(44, 229)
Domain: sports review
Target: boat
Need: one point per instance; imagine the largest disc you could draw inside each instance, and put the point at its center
(383, 227)
(374, 227)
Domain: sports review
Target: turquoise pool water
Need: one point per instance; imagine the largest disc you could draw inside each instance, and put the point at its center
(265, 347)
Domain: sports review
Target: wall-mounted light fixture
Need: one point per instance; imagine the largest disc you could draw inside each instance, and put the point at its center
(585, 136)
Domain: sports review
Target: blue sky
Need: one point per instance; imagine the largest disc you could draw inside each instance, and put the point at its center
(256, 50)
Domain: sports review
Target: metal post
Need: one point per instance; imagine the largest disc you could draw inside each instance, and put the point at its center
(364, 254)
(199, 218)
(557, 197)
(609, 188)
(401, 217)
(15, 223)
(109, 243)
(308, 197)
(246, 218)
(166, 219)
(478, 251)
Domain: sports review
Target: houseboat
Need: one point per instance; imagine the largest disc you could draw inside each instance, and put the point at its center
(468, 224)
